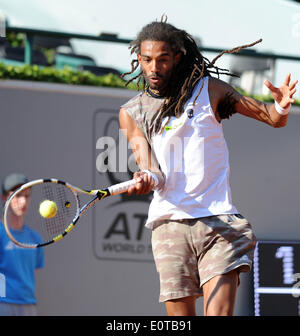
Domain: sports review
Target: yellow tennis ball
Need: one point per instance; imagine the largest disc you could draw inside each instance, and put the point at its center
(48, 209)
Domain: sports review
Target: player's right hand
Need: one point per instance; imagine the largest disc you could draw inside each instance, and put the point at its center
(144, 184)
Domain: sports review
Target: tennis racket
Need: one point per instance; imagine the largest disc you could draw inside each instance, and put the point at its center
(57, 219)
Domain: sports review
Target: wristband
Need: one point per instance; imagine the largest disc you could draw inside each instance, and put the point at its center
(281, 110)
(154, 177)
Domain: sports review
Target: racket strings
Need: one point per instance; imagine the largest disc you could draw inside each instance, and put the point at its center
(58, 224)
(53, 226)
(39, 225)
(63, 198)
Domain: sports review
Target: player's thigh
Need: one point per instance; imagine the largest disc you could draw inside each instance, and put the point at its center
(219, 294)
(175, 261)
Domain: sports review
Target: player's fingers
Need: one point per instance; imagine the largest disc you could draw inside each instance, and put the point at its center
(146, 183)
(130, 190)
(269, 85)
(293, 85)
(143, 183)
(287, 79)
(139, 184)
(146, 187)
(292, 92)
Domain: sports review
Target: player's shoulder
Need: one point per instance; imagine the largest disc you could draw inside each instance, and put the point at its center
(219, 89)
(132, 108)
(217, 84)
(132, 102)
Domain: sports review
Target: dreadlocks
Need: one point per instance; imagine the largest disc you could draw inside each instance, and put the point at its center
(192, 67)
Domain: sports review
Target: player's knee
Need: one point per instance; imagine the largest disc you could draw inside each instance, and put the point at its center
(181, 307)
(219, 310)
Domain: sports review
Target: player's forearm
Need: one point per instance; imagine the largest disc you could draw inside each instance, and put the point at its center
(264, 112)
(145, 158)
(140, 147)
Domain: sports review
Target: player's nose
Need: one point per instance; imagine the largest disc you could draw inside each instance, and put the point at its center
(154, 67)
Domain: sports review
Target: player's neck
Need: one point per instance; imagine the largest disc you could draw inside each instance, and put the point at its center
(154, 93)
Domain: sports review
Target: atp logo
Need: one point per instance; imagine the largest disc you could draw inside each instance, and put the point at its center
(119, 221)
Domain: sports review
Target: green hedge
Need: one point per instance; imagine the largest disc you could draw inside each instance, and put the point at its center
(264, 98)
(73, 77)
(53, 75)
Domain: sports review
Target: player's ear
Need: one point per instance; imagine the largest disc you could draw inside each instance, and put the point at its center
(178, 57)
(139, 57)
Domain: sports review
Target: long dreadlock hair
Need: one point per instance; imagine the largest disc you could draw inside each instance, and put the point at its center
(191, 68)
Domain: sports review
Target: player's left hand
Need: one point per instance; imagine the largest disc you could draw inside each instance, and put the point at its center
(283, 94)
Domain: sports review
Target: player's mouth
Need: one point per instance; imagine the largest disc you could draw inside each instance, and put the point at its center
(155, 79)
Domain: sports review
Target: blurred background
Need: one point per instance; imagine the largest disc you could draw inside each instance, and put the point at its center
(218, 24)
(91, 273)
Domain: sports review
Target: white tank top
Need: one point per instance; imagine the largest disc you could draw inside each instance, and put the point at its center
(193, 155)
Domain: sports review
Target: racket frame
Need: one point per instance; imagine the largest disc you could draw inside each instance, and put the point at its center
(97, 193)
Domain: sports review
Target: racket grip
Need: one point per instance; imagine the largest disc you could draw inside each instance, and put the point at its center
(121, 187)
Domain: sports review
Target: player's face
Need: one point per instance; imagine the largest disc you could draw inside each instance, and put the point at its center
(19, 204)
(157, 61)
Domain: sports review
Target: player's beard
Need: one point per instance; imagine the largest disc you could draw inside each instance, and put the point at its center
(157, 81)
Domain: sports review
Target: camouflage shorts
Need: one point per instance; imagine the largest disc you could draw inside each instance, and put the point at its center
(189, 252)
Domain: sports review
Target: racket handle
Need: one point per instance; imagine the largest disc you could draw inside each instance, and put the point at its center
(121, 187)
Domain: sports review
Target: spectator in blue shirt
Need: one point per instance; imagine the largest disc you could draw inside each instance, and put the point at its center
(18, 265)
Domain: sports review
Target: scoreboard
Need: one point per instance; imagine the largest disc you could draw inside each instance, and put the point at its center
(276, 278)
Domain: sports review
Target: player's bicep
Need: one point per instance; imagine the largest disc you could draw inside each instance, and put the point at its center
(230, 101)
(127, 124)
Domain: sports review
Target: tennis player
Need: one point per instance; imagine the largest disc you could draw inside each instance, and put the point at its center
(200, 241)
